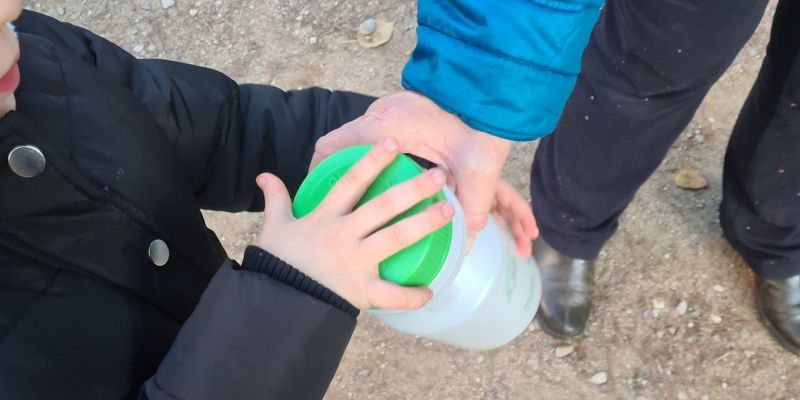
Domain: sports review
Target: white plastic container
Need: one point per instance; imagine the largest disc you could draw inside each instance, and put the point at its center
(480, 301)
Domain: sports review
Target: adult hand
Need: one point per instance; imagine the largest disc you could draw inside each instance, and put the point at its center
(513, 212)
(474, 158)
(347, 245)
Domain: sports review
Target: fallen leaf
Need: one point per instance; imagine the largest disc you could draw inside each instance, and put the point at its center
(380, 36)
(689, 178)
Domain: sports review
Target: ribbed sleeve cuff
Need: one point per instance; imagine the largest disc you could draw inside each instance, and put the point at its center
(261, 261)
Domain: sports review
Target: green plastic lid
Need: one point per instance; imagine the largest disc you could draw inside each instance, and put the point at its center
(416, 265)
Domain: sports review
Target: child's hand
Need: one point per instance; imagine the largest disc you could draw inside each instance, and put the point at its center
(512, 211)
(341, 247)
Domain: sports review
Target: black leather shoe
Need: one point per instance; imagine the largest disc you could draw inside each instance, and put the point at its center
(778, 303)
(566, 291)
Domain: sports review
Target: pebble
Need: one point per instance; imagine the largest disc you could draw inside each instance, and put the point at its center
(312, 40)
(364, 372)
(658, 304)
(367, 27)
(193, 12)
(151, 48)
(138, 48)
(716, 319)
(712, 120)
(563, 351)
(672, 330)
(699, 138)
(682, 307)
(167, 3)
(719, 288)
(599, 378)
(690, 324)
(61, 10)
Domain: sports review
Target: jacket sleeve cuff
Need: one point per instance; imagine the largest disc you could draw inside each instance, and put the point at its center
(261, 261)
(508, 73)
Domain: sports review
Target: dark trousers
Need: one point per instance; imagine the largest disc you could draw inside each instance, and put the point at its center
(647, 68)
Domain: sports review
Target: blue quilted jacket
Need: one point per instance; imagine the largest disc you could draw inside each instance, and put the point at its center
(505, 67)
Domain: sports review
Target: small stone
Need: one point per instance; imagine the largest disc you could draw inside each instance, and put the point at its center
(724, 385)
(715, 319)
(364, 372)
(660, 334)
(193, 12)
(752, 52)
(599, 378)
(712, 120)
(696, 131)
(367, 27)
(658, 304)
(719, 288)
(165, 4)
(682, 307)
(151, 48)
(672, 330)
(480, 359)
(312, 40)
(138, 48)
(61, 10)
(563, 351)
(699, 138)
(690, 324)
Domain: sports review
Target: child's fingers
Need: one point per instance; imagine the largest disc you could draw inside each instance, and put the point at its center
(277, 203)
(408, 231)
(387, 295)
(351, 186)
(380, 210)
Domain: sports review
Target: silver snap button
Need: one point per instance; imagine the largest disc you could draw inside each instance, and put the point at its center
(158, 252)
(26, 161)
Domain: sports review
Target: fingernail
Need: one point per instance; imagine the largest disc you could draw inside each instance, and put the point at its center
(390, 144)
(447, 210)
(437, 176)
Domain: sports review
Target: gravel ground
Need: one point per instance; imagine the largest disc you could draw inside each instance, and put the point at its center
(673, 317)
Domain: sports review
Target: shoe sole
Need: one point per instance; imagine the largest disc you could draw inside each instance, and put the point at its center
(775, 333)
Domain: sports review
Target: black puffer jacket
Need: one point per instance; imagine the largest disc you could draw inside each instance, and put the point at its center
(134, 149)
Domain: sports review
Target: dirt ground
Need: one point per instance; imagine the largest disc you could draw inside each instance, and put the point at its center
(669, 248)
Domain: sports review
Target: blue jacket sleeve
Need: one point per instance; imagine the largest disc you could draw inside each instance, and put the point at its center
(504, 67)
